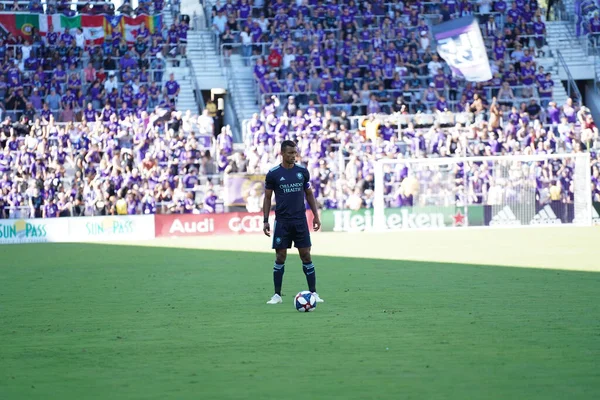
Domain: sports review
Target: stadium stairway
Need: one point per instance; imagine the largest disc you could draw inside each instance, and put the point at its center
(204, 59)
(242, 87)
(561, 38)
(186, 99)
(179, 68)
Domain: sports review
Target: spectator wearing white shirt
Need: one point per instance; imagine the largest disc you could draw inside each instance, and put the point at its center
(80, 39)
(111, 83)
(26, 50)
(220, 22)
(206, 124)
(263, 23)
(288, 57)
(246, 40)
(485, 7)
(434, 65)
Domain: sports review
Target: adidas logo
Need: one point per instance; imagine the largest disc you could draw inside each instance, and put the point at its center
(505, 217)
(282, 179)
(545, 216)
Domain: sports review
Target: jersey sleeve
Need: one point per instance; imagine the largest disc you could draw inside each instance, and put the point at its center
(269, 181)
(307, 184)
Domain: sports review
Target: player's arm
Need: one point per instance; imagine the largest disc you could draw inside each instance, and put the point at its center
(267, 211)
(310, 198)
(269, 186)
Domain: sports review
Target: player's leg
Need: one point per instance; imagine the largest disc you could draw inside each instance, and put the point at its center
(281, 242)
(279, 269)
(309, 270)
(303, 243)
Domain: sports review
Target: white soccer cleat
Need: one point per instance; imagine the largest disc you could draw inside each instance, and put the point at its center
(276, 299)
(319, 300)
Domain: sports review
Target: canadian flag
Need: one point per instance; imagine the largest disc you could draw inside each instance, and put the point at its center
(132, 26)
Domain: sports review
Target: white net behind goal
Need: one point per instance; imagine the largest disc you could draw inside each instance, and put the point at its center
(483, 191)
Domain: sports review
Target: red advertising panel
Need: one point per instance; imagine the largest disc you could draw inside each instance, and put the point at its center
(179, 225)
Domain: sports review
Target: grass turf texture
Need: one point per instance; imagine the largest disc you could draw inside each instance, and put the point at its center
(117, 322)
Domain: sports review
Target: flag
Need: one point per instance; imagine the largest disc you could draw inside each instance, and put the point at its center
(93, 28)
(154, 23)
(112, 23)
(130, 25)
(461, 45)
(25, 23)
(58, 22)
(7, 26)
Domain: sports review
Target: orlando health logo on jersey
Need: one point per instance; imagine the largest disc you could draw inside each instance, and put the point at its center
(289, 185)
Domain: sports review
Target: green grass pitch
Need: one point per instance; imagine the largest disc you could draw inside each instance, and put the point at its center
(84, 321)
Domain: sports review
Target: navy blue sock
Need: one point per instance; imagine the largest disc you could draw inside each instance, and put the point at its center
(311, 276)
(278, 270)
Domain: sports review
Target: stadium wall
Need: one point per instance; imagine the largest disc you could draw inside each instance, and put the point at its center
(129, 227)
(146, 227)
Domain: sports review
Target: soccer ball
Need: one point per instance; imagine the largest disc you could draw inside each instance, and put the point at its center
(305, 301)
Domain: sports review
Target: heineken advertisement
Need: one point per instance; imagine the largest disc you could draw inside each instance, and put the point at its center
(403, 218)
(440, 217)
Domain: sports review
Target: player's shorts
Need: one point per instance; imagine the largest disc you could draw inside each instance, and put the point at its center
(286, 232)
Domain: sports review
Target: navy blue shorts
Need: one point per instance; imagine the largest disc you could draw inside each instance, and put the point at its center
(286, 232)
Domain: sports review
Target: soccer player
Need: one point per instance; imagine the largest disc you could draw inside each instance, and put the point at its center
(290, 182)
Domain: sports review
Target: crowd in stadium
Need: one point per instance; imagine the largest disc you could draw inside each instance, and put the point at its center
(108, 139)
(75, 112)
(362, 58)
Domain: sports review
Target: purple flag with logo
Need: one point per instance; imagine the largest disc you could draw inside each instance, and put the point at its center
(238, 186)
(460, 44)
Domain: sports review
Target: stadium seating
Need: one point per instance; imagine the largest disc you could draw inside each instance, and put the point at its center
(371, 55)
(81, 110)
(349, 90)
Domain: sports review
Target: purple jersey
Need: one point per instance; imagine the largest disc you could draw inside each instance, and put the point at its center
(539, 27)
(106, 113)
(141, 96)
(499, 52)
(52, 38)
(439, 81)
(173, 36)
(124, 113)
(127, 99)
(51, 211)
(90, 115)
(182, 30)
(172, 87)
(547, 86)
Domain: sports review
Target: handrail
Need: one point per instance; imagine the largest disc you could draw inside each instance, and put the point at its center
(233, 90)
(596, 72)
(197, 93)
(572, 89)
